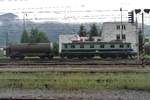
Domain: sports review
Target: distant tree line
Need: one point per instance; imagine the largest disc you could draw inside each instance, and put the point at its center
(92, 32)
(34, 36)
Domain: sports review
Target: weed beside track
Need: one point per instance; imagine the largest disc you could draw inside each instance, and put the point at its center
(75, 81)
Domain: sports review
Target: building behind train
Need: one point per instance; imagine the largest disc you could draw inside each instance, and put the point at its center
(112, 33)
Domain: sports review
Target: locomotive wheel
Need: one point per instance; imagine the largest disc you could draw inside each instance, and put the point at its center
(80, 57)
(124, 57)
(50, 57)
(89, 57)
(69, 57)
(102, 56)
(114, 57)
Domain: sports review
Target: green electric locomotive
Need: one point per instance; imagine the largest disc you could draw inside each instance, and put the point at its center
(101, 49)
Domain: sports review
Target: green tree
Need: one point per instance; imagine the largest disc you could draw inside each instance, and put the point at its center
(25, 37)
(56, 49)
(93, 30)
(42, 38)
(38, 37)
(34, 35)
(82, 31)
(100, 32)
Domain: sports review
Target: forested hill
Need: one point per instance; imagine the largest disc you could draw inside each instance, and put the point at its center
(9, 23)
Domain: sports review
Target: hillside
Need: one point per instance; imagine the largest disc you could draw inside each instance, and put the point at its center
(9, 24)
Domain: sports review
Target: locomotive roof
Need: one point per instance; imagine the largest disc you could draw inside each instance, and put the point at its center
(98, 42)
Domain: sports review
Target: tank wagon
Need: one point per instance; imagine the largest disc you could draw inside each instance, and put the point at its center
(102, 49)
(42, 50)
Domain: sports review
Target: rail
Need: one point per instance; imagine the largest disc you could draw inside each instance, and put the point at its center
(24, 99)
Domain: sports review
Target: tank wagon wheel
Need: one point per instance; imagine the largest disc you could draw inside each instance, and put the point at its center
(50, 57)
(61, 56)
(12, 57)
(41, 57)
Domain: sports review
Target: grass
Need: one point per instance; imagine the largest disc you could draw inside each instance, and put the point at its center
(75, 81)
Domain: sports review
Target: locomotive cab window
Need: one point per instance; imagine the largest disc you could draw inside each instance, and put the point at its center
(146, 40)
(121, 46)
(72, 46)
(112, 46)
(102, 46)
(92, 46)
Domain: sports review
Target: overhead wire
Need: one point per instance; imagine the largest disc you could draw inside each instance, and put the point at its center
(60, 12)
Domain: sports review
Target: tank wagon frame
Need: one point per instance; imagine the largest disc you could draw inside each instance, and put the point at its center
(42, 50)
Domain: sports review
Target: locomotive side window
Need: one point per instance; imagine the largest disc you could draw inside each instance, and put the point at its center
(92, 46)
(121, 46)
(81, 45)
(65, 46)
(72, 46)
(112, 46)
(102, 46)
(128, 45)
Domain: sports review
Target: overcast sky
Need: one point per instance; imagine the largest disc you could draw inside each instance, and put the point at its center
(73, 10)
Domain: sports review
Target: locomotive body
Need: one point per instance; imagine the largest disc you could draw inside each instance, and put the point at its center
(102, 49)
(41, 50)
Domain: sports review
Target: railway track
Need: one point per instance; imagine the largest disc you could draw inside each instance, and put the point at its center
(25, 99)
(74, 65)
(75, 68)
(58, 61)
(71, 63)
